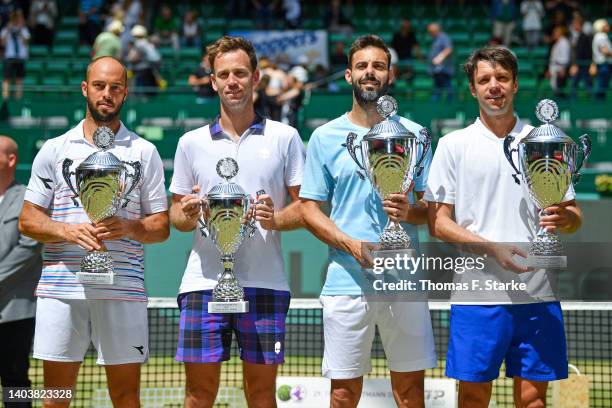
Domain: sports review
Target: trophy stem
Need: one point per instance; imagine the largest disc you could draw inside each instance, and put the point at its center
(394, 237)
(227, 288)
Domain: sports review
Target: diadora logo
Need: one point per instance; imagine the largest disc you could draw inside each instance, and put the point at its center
(277, 347)
(140, 349)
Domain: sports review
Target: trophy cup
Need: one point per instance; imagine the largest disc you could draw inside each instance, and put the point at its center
(101, 181)
(225, 208)
(548, 164)
(389, 157)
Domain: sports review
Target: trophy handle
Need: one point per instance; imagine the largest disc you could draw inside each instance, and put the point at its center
(135, 179)
(508, 152)
(426, 146)
(67, 178)
(251, 225)
(352, 147)
(202, 220)
(586, 152)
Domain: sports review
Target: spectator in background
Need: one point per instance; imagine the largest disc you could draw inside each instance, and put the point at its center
(558, 19)
(191, 31)
(504, 16)
(42, 21)
(165, 29)
(440, 62)
(565, 7)
(560, 58)
(89, 21)
(15, 37)
(20, 267)
(108, 43)
(277, 84)
(292, 97)
(532, 11)
(264, 12)
(200, 80)
(582, 55)
(405, 42)
(293, 13)
(336, 20)
(338, 57)
(133, 14)
(144, 61)
(602, 56)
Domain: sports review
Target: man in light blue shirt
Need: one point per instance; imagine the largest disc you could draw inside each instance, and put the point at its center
(440, 62)
(357, 218)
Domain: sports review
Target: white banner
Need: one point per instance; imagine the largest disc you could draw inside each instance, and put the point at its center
(313, 392)
(298, 46)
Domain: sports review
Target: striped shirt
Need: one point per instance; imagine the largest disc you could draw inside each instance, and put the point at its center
(48, 188)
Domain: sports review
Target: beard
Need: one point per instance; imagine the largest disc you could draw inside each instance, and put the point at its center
(364, 97)
(99, 117)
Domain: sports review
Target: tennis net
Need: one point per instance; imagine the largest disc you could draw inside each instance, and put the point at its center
(589, 339)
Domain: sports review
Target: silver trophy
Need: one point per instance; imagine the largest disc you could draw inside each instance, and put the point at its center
(226, 206)
(389, 157)
(101, 186)
(548, 164)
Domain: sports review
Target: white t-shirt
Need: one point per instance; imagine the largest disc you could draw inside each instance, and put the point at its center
(470, 171)
(601, 40)
(270, 156)
(48, 188)
(532, 12)
(16, 42)
(560, 54)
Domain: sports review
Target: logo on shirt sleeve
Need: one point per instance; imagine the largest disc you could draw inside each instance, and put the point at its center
(47, 182)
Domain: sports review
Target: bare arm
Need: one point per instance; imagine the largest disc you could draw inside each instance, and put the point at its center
(35, 223)
(285, 219)
(443, 226)
(148, 230)
(325, 230)
(185, 211)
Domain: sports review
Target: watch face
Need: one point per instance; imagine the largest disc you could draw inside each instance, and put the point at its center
(104, 137)
(227, 168)
(547, 111)
(386, 106)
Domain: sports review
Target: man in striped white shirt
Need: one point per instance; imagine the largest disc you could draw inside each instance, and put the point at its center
(71, 315)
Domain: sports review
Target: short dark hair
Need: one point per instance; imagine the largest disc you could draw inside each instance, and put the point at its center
(228, 44)
(495, 55)
(365, 41)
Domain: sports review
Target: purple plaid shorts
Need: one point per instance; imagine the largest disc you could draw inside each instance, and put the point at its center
(207, 338)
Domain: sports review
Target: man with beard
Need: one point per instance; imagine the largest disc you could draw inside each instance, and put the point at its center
(331, 176)
(71, 315)
(270, 156)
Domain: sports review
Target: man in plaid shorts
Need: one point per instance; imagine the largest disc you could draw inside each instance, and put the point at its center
(270, 157)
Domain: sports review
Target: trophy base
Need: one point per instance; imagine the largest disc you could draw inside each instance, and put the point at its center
(228, 307)
(95, 278)
(547, 261)
(393, 253)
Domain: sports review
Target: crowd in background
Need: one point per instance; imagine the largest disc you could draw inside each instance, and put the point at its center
(134, 30)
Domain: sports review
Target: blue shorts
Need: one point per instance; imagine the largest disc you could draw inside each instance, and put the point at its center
(530, 337)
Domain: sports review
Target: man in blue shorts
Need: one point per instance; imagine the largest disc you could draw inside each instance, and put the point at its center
(473, 199)
(357, 218)
(270, 156)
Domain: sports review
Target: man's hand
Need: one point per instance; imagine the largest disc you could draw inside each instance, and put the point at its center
(504, 253)
(191, 205)
(557, 218)
(83, 235)
(113, 228)
(397, 207)
(362, 252)
(264, 212)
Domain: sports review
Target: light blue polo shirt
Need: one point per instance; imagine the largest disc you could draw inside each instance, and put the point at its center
(330, 175)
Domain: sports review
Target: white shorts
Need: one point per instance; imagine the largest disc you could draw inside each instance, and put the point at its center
(66, 327)
(349, 327)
